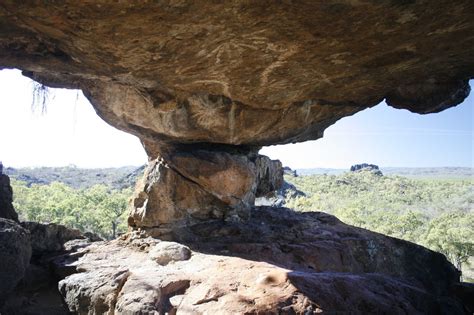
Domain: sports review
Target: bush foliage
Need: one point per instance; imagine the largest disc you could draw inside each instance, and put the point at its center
(438, 214)
(95, 209)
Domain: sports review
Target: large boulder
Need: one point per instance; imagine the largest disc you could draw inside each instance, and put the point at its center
(282, 262)
(15, 254)
(188, 187)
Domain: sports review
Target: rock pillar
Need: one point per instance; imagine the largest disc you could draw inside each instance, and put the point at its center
(193, 184)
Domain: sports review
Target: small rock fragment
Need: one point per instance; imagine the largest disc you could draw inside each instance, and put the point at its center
(166, 252)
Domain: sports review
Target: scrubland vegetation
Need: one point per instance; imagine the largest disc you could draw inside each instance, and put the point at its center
(97, 209)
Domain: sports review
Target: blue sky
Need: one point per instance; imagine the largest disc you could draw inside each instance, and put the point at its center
(389, 137)
(71, 133)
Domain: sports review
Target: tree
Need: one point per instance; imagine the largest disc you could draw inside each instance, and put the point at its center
(453, 235)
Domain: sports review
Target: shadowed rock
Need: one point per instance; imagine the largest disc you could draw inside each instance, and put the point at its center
(15, 253)
(7, 210)
(280, 262)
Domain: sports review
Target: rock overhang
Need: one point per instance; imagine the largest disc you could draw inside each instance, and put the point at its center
(243, 73)
(205, 84)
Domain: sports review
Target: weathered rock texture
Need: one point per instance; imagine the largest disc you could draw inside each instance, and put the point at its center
(234, 76)
(281, 262)
(15, 254)
(189, 187)
(7, 210)
(48, 238)
(54, 250)
(243, 72)
(204, 85)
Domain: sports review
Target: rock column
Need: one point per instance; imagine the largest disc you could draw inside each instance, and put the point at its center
(188, 185)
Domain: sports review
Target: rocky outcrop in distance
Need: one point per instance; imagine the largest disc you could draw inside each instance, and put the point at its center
(374, 169)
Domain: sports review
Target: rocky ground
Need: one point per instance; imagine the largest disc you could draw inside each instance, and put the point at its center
(279, 261)
(282, 262)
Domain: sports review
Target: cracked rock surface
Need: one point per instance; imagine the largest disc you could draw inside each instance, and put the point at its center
(283, 262)
(188, 187)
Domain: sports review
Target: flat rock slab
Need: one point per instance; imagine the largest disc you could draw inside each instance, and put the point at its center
(357, 272)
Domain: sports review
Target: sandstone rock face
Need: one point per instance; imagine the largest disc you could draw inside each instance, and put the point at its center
(244, 73)
(280, 262)
(6, 198)
(201, 185)
(15, 253)
(47, 238)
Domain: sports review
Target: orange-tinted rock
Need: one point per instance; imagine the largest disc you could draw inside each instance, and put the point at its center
(195, 186)
(243, 73)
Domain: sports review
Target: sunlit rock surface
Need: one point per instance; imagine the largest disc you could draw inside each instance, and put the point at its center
(281, 262)
(188, 187)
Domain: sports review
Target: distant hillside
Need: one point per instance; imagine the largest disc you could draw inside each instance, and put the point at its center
(116, 178)
(126, 176)
(412, 172)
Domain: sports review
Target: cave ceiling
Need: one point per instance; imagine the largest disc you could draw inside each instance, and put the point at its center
(246, 73)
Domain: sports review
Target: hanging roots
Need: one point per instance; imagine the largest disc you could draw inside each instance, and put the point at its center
(40, 97)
